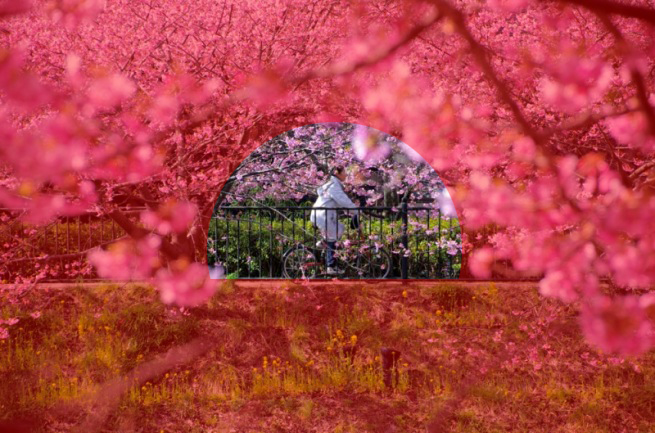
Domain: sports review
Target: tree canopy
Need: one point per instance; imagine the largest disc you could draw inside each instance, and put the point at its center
(539, 113)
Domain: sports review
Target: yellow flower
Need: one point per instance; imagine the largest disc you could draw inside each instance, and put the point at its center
(339, 333)
(438, 312)
(404, 293)
(353, 339)
(143, 388)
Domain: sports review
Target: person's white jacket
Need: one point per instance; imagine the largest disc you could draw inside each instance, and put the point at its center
(330, 195)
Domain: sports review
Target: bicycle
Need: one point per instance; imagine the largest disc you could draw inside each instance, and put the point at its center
(301, 261)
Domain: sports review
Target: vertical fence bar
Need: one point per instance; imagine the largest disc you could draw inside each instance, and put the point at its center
(370, 232)
(227, 238)
(427, 240)
(325, 235)
(270, 249)
(348, 231)
(393, 241)
(282, 230)
(238, 241)
(217, 238)
(404, 242)
(415, 233)
(61, 262)
(304, 225)
(450, 258)
(381, 234)
(439, 273)
(314, 231)
(293, 227)
(56, 237)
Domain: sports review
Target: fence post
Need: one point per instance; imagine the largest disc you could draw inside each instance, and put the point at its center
(405, 242)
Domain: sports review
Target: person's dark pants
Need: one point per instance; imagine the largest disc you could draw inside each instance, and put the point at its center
(330, 259)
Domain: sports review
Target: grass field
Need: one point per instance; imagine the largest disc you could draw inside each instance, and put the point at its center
(306, 358)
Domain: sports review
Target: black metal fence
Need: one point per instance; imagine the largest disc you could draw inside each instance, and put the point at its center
(252, 242)
(56, 250)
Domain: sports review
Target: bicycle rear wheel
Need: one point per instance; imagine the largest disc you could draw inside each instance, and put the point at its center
(300, 262)
(372, 263)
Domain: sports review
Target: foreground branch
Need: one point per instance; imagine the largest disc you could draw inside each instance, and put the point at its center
(622, 9)
(110, 393)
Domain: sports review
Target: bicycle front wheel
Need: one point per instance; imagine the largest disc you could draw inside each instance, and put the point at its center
(300, 262)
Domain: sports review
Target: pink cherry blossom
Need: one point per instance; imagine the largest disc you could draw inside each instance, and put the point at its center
(618, 325)
(171, 217)
(128, 260)
(368, 145)
(184, 284)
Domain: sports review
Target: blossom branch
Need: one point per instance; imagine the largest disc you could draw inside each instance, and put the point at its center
(626, 10)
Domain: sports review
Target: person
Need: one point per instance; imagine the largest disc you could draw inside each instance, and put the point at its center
(332, 195)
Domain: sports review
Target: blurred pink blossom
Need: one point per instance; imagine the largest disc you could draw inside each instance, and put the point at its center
(171, 217)
(128, 259)
(110, 91)
(369, 145)
(617, 325)
(184, 284)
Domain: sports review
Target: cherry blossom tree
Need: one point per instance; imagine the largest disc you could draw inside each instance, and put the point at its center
(292, 165)
(539, 113)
